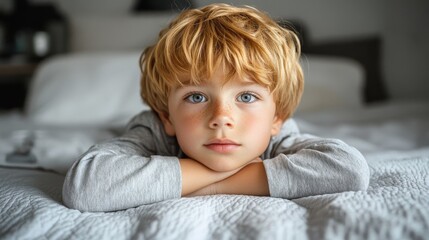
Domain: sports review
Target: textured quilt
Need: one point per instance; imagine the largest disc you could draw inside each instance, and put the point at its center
(396, 206)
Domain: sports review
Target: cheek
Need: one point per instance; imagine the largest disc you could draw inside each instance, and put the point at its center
(187, 125)
(188, 120)
(260, 116)
(254, 125)
(258, 126)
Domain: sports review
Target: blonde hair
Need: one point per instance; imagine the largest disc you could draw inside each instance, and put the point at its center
(243, 40)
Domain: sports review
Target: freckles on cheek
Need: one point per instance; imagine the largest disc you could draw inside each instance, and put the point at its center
(188, 131)
(190, 120)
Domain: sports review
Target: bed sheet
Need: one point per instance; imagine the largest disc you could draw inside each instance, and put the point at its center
(392, 126)
(395, 206)
(25, 143)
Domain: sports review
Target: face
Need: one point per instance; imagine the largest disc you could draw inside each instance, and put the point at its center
(223, 126)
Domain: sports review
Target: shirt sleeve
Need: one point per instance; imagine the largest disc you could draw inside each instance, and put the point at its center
(125, 172)
(303, 165)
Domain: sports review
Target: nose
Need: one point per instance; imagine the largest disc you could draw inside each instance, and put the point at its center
(221, 116)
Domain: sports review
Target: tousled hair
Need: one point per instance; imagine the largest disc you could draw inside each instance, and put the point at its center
(242, 40)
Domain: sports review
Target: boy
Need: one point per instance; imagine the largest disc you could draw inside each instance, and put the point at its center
(222, 82)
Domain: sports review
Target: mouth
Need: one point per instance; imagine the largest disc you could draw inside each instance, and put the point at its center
(222, 145)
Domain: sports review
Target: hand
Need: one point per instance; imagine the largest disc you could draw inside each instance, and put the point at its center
(216, 188)
(251, 180)
(196, 176)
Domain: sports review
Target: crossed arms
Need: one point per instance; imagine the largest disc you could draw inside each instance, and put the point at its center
(143, 167)
(197, 179)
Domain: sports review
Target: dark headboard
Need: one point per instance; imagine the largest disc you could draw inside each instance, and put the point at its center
(365, 50)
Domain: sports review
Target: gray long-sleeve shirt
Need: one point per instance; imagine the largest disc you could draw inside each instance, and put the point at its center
(142, 167)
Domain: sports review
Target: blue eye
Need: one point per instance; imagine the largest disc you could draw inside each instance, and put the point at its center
(196, 98)
(246, 98)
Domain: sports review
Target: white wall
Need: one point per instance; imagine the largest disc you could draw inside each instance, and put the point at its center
(400, 23)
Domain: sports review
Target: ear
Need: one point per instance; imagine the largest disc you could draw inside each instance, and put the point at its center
(277, 125)
(168, 125)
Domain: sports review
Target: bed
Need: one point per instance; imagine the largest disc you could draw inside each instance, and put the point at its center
(76, 100)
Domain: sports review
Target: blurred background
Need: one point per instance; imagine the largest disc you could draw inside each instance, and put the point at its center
(33, 31)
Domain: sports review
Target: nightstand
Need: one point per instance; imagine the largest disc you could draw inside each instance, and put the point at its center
(14, 81)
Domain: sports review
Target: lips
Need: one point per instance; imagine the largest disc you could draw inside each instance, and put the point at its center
(222, 145)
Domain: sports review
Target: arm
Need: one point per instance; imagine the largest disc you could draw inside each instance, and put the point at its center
(197, 176)
(305, 165)
(102, 181)
(116, 175)
(138, 168)
(250, 180)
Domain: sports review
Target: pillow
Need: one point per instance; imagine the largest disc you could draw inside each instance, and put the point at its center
(331, 82)
(86, 88)
(366, 51)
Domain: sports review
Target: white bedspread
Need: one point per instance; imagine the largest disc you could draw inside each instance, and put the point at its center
(395, 141)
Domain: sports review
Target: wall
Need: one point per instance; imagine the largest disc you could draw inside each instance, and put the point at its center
(400, 23)
(406, 52)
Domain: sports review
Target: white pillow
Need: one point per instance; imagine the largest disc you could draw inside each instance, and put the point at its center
(89, 89)
(331, 83)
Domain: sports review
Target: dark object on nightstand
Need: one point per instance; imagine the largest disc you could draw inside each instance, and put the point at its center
(29, 33)
(34, 32)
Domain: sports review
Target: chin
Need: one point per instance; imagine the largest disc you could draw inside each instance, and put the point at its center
(222, 166)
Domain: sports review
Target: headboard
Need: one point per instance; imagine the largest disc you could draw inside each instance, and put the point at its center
(365, 50)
